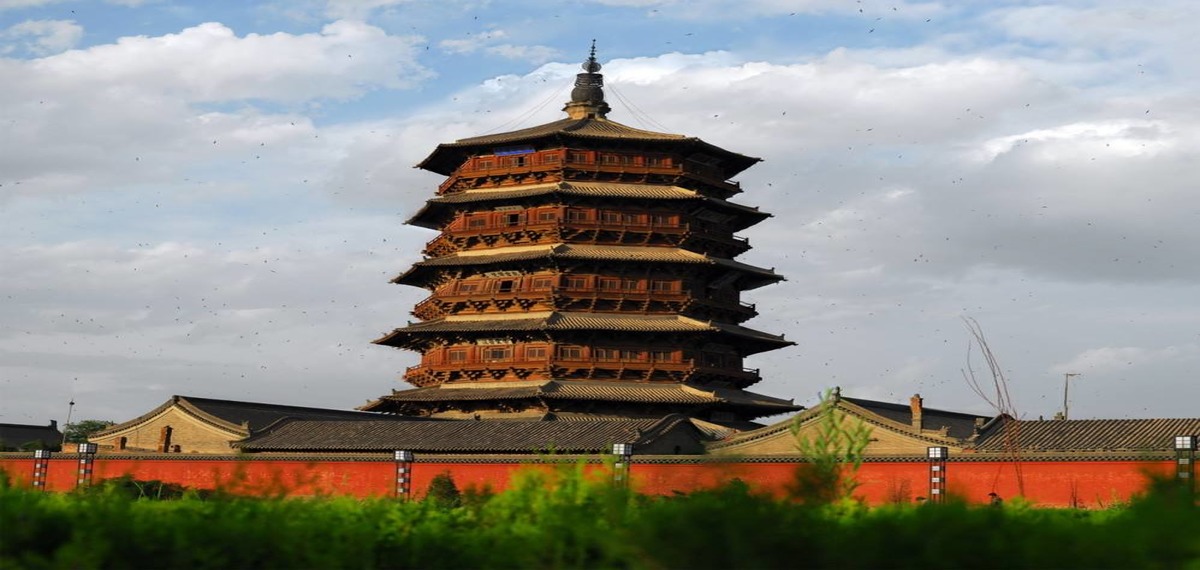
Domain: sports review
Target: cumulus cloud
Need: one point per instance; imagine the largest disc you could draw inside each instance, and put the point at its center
(135, 110)
(41, 37)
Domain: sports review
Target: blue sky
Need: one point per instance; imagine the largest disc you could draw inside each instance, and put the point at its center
(206, 198)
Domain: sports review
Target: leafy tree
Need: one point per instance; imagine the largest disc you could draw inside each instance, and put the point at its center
(834, 452)
(443, 491)
(78, 432)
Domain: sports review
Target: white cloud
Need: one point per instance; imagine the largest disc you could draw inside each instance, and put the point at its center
(1118, 359)
(17, 4)
(357, 9)
(43, 37)
(209, 62)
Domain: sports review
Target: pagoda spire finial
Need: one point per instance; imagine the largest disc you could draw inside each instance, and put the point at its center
(587, 98)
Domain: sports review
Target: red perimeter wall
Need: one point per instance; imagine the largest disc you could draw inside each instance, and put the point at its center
(1089, 484)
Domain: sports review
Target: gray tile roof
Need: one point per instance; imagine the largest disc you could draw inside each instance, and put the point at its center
(465, 436)
(13, 436)
(961, 425)
(1088, 435)
(243, 417)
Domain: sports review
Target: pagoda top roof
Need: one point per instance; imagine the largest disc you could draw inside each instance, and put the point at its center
(596, 189)
(572, 321)
(661, 393)
(596, 252)
(448, 156)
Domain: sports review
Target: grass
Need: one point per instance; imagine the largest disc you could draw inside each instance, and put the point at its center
(568, 520)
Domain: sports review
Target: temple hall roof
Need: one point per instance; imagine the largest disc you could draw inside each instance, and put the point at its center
(1086, 435)
(959, 425)
(240, 417)
(466, 436)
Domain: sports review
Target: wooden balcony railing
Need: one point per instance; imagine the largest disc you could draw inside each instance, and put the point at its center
(427, 374)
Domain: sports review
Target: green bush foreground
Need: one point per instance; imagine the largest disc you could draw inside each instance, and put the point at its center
(565, 520)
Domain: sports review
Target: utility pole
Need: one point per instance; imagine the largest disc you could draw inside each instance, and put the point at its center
(70, 408)
(1066, 382)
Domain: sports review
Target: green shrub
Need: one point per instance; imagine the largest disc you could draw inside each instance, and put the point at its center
(563, 518)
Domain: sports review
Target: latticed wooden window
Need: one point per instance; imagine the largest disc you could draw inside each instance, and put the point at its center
(579, 157)
(610, 284)
(608, 354)
(458, 355)
(477, 222)
(570, 352)
(662, 356)
(535, 352)
(497, 353)
(577, 283)
(547, 215)
(665, 221)
(542, 283)
(662, 286)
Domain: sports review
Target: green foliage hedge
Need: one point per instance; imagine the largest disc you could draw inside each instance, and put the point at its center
(565, 520)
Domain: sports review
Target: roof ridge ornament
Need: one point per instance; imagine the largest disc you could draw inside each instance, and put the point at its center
(587, 98)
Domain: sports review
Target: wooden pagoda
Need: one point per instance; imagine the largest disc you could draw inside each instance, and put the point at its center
(584, 269)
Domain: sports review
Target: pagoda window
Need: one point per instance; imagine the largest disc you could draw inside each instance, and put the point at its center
(662, 161)
(662, 356)
(570, 352)
(662, 286)
(485, 163)
(610, 159)
(506, 285)
(580, 157)
(535, 353)
(456, 355)
(467, 287)
(630, 284)
(577, 215)
(633, 219)
(577, 283)
(631, 355)
(542, 283)
(664, 220)
(610, 217)
(547, 215)
(476, 222)
(512, 219)
(610, 284)
(510, 161)
(497, 353)
(608, 354)
(551, 158)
